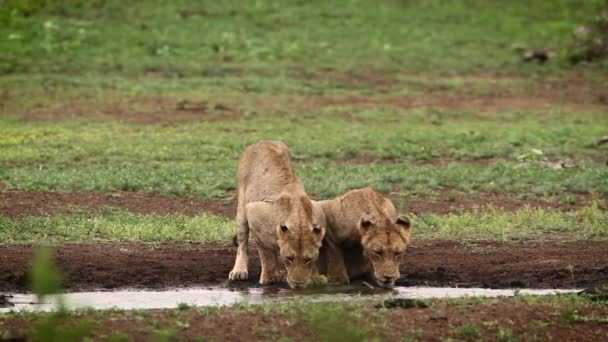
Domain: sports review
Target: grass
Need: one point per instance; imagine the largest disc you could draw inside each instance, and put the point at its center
(74, 35)
(117, 225)
(180, 160)
(494, 224)
(468, 332)
(320, 321)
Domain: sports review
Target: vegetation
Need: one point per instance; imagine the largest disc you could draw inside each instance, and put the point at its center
(179, 160)
(411, 97)
(319, 321)
(117, 225)
(68, 36)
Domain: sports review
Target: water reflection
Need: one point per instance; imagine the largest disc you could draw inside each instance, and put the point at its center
(133, 299)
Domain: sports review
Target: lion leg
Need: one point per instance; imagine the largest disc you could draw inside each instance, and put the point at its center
(240, 269)
(316, 278)
(336, 268)
(271, 270)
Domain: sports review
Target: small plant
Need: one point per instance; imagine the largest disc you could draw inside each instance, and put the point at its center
(207, 310)
(569, 199)
(184, 306)
(164, 335)
(468, 332)
(118, 337)
(324, 319)
(45, 280)
(505, 335)
(416, 335)
(573, 316)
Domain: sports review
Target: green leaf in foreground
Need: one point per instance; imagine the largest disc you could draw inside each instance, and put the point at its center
(45, 277)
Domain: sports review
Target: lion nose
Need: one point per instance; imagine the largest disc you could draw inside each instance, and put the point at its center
(389, 277)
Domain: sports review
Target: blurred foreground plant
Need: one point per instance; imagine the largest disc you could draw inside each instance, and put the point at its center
(45, 280)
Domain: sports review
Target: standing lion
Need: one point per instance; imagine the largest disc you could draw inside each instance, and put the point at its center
(287, 227)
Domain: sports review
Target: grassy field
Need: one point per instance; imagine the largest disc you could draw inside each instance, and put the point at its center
(487, 223)
(73, 36)
(405, 96)
(426, 101)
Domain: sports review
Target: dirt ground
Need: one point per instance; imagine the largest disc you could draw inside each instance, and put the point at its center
(21, 204)
(568, 92)
(92, 266)
(496, 320)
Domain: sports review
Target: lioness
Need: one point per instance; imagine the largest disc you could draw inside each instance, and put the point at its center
(364, 234)
(285, 224)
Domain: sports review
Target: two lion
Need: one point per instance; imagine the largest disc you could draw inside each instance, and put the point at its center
(356, 234)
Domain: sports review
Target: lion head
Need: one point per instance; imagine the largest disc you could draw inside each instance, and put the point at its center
(300, 237)
(383, 244)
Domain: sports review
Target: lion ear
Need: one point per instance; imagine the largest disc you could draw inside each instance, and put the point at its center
(404, 222)
(283, 229)
(366, 224)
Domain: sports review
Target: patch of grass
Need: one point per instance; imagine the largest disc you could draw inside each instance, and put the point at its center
(468, 332)
(505, 335)
(492, 223)
(336, 321)
(118, 337)
(181, 160)
(572, 316)
(184, 306)
(116, 226)
(323, 320)
(110, 36)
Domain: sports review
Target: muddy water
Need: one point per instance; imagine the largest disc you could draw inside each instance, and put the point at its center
(133, 299)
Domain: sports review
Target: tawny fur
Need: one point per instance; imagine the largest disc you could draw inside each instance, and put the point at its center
(287, 226)
(365, 236)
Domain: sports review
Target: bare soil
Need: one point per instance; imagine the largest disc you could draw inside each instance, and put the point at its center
(91, 266)
(141, 110)
(21, 204)
(480, 93)
(486, 321)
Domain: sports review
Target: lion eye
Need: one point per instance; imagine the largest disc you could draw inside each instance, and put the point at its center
(289, 260)
(378, 252)
(397, 253)
(308, 260)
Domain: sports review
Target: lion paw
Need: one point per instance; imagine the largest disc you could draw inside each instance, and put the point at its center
(338, 280)
(266, 279)
(238, 275)
(318, 280)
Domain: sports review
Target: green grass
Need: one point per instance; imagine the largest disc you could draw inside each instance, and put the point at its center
(586, 223)
(468, 332)
(200, 158)
(331, 321)
(117, 225)
(274, 63)
(109, 36)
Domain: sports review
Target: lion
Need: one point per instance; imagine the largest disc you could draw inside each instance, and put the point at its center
(365, 237)
(288, 228)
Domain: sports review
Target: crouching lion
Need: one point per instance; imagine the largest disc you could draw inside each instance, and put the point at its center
(287, 227)
(364, 237)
